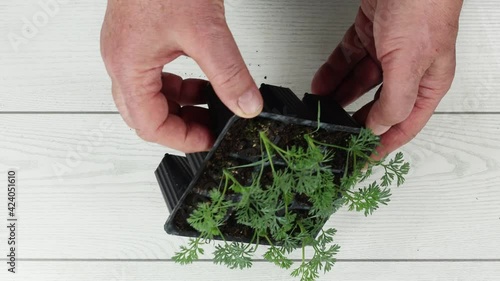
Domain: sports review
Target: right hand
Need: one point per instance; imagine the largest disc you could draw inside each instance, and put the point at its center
(409, 46)
(139, 37)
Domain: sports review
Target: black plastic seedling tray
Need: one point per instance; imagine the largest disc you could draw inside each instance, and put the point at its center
(186, 181)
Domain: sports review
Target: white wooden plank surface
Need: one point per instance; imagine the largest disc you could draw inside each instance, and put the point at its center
(60, 68)
(107, 204)
(343, 271)
(87, 188)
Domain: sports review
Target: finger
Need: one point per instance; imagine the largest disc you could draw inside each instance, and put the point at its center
(434, 85)
(154, 123)
(364, 29)
(405, 131)
(146, 110)
(438, 78)
(343, 59)
(184, 92)
(364, 77)
(219, 58)
(402, 76)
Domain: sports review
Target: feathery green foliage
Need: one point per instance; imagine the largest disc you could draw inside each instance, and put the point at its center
(266, 206)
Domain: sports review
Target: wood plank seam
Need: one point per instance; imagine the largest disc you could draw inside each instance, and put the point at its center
(262, 260)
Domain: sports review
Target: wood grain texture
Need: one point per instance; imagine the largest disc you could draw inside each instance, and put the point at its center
(58, 68)
(87, 190)
(343, 271)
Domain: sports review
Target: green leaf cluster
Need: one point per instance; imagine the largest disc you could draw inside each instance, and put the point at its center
(267, 204)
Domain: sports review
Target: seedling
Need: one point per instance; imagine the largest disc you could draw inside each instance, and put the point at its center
(269, 204)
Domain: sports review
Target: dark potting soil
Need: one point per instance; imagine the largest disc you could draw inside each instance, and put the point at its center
(240, 146)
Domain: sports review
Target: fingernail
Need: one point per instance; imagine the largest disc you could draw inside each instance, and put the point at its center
(250, 103)
(379, 129)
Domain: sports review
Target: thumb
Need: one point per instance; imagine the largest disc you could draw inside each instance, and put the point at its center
(401, 81)
(220, 59)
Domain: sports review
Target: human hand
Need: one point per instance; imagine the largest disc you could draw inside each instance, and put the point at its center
(139, 37)
(410, 47)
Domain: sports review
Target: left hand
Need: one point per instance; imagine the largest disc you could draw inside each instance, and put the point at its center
(410, 47)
